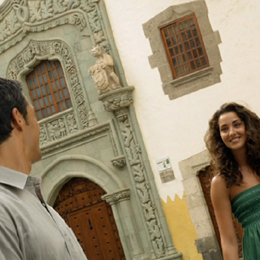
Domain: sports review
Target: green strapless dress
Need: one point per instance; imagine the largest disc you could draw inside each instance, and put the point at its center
(246, 208)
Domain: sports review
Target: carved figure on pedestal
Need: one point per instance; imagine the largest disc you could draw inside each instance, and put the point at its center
(103, 72)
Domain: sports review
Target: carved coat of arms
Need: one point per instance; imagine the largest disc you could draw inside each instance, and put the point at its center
(100, 77)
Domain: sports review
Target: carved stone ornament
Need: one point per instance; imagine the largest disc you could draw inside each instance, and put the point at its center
(58, 128)
(117, 196)
(119, 162)
(117, 99)
(133, 153)
(103, 73)
(20, 17)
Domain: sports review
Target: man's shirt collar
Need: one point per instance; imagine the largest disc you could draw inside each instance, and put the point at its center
(13, 178)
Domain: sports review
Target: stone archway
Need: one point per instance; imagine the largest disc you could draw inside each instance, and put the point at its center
(80, 204)
(65, 168)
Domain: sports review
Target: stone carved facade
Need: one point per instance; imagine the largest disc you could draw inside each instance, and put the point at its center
(67, 125)
(25, 16)
(103, 73)
(118, 101)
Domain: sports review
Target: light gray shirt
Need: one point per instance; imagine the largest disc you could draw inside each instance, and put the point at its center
(30, 229)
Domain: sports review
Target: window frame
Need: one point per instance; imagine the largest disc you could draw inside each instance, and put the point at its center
(47, 79)
(181, 45)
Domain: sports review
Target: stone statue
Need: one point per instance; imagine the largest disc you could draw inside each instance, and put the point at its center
(103, 72)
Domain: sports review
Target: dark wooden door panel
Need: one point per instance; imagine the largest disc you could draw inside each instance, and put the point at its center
(91, 219)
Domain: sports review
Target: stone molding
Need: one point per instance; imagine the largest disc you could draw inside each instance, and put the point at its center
(187, 84)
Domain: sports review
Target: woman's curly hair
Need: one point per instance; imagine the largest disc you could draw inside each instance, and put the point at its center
(223, 161)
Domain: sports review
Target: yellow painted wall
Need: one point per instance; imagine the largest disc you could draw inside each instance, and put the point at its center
(181, 227)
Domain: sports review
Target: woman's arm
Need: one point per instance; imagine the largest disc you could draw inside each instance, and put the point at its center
(223, 211)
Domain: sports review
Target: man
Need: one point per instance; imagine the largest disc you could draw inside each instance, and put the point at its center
(29, 229)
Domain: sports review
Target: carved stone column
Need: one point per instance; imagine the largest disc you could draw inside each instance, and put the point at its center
(118, 102)
(119, 201)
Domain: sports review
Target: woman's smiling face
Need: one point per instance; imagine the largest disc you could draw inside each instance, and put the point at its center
(232, 131)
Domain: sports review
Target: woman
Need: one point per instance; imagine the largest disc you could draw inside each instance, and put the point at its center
(233, 140)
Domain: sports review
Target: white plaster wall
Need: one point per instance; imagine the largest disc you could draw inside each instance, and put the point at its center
(176, 128)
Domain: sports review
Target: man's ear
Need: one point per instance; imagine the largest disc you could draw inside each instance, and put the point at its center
(17, 119)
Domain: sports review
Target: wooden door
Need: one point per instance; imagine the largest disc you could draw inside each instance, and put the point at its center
(205, 177)
(91, 219)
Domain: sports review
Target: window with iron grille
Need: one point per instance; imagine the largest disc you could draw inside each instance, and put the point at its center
(184, 46)
(48, 89)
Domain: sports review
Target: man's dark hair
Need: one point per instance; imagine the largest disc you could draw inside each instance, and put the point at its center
(11, 96)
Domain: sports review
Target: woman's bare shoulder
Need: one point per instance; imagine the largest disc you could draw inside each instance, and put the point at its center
(218, 183)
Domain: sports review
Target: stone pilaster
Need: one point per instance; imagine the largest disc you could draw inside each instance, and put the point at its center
(118, 102)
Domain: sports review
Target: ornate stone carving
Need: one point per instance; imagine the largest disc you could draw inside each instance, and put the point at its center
(122, 99)
(34, 16)
(59, 49)
(133, 154)
(56, 129)
(117, 99)
(117, 196)
(103, 73)
(43, 136)
(72, 125)
(119, 162)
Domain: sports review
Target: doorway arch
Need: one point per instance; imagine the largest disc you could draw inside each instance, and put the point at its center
(117, 194)
(80, 204)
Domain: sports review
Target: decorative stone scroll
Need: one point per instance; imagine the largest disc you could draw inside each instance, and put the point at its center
(21, 17)
(103, 73)
(116, 197)
(56, 48)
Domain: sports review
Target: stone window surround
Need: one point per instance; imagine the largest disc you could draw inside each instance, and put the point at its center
(206, 243)
(175, 88)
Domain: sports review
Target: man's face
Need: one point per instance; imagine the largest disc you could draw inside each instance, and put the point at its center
(32, 136)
